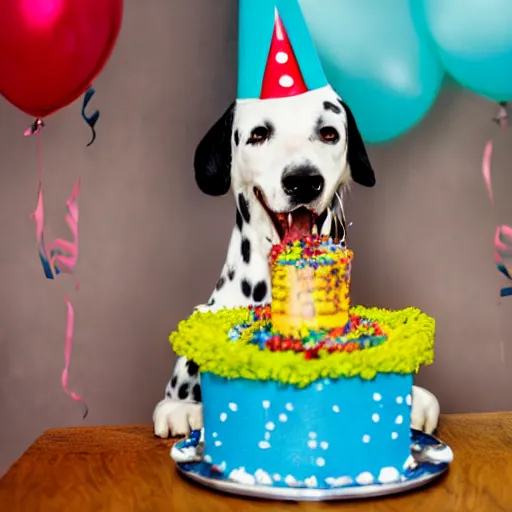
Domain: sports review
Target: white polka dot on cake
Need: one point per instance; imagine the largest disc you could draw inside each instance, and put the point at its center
(319, 387)
(218, 443)
(324, 445)
(266, 404)
(312, 435)
(399, 419)
(336, 408)
(320, 462)
(233, 407)
(366, 438)
(276, 477)
(312, 444)
(364, 478)
(286, 81)
(408, 399)
(283, 418)
(270, 426)
(223, 416)
(399, 400)
(281, 57)
(375, 418)
(289, 406)
(389, 475)
(264, 445)
(394, 435)
(215, 434)
(377, 397)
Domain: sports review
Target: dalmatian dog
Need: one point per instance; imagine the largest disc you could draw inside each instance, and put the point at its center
(288, 161)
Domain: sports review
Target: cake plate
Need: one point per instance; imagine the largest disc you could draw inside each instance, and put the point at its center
(429, 459)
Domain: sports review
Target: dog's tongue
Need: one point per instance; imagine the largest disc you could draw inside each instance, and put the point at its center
(300, 223)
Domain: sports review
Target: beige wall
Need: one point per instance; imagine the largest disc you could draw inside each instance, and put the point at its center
(152, 245)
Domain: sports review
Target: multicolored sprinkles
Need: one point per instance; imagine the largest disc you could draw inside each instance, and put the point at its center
(312, 250)
(359, 333)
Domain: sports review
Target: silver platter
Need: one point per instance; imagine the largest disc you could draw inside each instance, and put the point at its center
(304, 494)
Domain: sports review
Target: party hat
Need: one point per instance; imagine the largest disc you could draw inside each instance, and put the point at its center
(276, 55)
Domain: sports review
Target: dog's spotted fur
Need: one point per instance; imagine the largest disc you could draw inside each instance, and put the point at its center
(226, 158)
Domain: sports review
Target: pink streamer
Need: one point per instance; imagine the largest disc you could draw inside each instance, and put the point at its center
(486, 170)
(60, 256)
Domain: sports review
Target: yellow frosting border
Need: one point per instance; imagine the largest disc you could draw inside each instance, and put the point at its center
(204, 338)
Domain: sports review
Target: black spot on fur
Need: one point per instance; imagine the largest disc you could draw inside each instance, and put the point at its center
(211, 302)
(196, 392)
(239, 220)
(237, 137)
(246, 288)
(244, 208)
(332, 107)
(183, 392)
(193, 368)
(260, 290)
(168, 394)
(231, 274)
(173, 381)
(220, 283)
(246, 250)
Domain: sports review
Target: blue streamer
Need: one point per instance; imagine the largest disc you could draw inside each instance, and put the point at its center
(506, 292)
(93, 118)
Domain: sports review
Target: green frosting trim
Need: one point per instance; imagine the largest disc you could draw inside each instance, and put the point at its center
(204, 338)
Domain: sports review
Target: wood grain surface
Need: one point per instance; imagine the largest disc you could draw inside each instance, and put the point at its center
(124, 469)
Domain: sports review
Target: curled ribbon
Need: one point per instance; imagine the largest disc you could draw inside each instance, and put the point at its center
(93, 118)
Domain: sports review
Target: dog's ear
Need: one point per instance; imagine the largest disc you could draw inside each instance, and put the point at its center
(361, 169)
(212, 160)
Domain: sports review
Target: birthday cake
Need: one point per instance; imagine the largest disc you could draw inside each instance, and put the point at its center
(308, 391)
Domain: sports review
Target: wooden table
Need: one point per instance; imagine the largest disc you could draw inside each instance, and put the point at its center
(125, 469)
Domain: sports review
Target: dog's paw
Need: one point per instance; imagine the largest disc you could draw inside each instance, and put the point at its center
(177, 418)
(425, 410)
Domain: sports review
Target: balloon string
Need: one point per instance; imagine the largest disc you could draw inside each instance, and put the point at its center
(93, 118)
(59, 256)
(503, 233)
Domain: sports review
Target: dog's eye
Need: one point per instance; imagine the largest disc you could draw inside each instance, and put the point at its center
(329, 135)
(259, 135)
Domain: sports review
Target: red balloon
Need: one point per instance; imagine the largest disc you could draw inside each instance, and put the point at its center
(52, 50)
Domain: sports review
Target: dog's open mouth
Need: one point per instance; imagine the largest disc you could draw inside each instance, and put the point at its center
(302, 221)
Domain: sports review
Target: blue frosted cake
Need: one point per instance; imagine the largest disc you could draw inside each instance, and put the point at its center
(306, 401)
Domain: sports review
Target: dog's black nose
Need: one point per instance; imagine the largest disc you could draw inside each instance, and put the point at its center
(303, 184)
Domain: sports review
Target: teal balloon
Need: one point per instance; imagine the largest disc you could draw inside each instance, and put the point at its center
(474, 42)
(375, 59)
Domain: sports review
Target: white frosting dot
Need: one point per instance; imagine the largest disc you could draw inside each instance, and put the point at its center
(215, 434)
(399, 419)
(324, 445)
(233, 407)
(399, 400)
(336, 408)
(266, 404)
(375, 418)
(270, 426)
(408, 399)
(312, 435)
(223, 417)
(394, 435)
(218, 443)
(377, 397)
(262, 477)
(389, 475)
(281, 57)
(264, 445)
(319, 387)
(289, 406)
(366, 438)
(277, 477)
(286, 81)
(364, 478)
(283, 418)
(320, 461)
(312, 443)
(267, 436)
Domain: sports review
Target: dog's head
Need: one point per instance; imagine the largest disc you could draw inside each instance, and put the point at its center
(287, 156)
